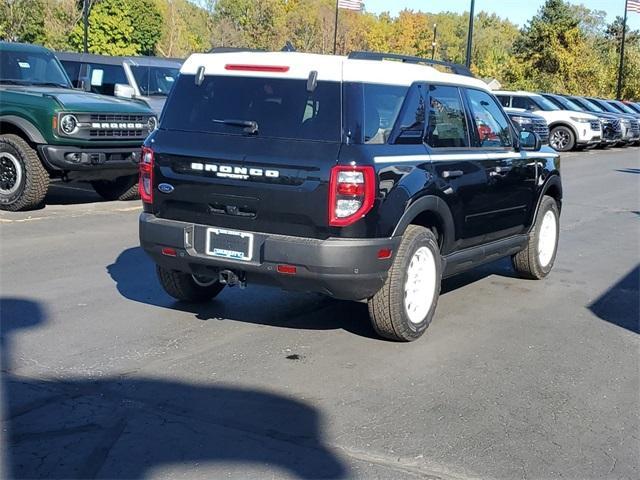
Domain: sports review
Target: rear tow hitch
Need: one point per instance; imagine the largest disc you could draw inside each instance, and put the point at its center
(231, 278)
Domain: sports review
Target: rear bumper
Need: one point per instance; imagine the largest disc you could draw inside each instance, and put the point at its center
(70, 158)
(348, 269)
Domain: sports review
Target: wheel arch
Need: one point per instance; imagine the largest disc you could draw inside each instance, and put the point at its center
(553, 188)
(562, 123)
(21, 127)
(433, 213)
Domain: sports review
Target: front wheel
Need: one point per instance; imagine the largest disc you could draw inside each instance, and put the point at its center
(536, 260)
(562, 139)
(122, 188)
(403, 308)
(186, 287)
(23, 179)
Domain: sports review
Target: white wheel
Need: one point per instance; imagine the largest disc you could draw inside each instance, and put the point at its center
(403, 308)
(420, 286)
(547, 238)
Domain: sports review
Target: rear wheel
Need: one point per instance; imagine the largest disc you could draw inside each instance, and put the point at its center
(536, 260)
(23, 179)
(562, 139)
(403, 308)
(122, 188)
(187, 287)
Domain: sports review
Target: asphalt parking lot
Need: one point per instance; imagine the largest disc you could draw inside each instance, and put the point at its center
(104, 376)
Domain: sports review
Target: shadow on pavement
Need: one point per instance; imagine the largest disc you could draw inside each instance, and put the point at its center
(134, 274)
(73, 193)
(620, 304)
(629, 170)
(131, 427)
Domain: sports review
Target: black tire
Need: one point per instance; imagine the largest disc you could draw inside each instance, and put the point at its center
(387, 308)
(122, 188)
(562, 138)
(183, 286)
(528, 262)
(23, 180)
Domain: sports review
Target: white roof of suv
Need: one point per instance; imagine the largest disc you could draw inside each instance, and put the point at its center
(329, 67)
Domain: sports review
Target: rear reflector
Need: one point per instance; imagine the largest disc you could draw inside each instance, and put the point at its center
(287, 269)
(384, 253)
(169, 252)
(257, 68)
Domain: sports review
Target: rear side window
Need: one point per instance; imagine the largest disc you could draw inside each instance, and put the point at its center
(281, 108)
(447, 122)
(382, 105)
(492, 125)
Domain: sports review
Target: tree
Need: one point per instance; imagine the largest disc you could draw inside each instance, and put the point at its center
(22, 21)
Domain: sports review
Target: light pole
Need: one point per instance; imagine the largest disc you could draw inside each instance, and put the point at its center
(470, 37)
(621, 66)
(85, 21)
(433, 44)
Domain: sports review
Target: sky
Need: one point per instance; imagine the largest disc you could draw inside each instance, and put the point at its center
(518, 11)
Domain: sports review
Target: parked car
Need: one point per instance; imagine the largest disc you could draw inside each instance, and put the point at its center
(634, 106)
(631, 126)
(626, 109)
(146, 79)
(48, 130)
(355, 177)
(594, 109)
(524, 120)
(610, 124)
(568, 130)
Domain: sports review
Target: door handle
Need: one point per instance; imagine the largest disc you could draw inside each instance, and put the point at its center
(452, 173)
(499, 171)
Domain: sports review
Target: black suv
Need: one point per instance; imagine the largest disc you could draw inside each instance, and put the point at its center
(302, 171)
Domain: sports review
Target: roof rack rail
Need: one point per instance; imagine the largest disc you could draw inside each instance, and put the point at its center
(454, 67)
(233, 49)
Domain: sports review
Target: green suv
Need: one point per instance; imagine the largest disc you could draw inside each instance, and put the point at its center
(49, 130)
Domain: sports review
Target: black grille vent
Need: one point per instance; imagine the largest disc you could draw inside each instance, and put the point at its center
(118, 118)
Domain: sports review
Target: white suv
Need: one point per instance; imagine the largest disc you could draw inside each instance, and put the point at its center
(569, 130)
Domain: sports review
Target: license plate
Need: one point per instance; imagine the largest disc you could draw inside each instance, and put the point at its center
(229, 244)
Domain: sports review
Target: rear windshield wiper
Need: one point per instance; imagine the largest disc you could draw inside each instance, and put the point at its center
(250, 126)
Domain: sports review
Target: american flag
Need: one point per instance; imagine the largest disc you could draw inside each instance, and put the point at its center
(633, 6)
(352, 4)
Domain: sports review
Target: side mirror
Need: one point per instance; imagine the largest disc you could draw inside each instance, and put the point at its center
(124, 91)
(529, 141)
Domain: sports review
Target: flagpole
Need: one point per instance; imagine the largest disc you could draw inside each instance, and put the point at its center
(470, 37)
(335, 29)
(621, 68)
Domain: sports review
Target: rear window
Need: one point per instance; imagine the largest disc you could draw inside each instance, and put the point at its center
(281, 108)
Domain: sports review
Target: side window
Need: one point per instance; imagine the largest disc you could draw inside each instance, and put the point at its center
(73, 71)
(492, 125)
(447, 123)
(409, 128)
(522, 102)
(108, 75)
(504, 100)
(382, 105)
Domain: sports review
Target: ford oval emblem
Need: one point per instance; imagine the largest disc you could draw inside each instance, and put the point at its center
(165, 188)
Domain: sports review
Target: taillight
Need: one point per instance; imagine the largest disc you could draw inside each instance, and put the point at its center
(145, 183)
(351, 194)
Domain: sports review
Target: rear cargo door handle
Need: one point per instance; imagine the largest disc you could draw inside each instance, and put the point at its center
(452, 173)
